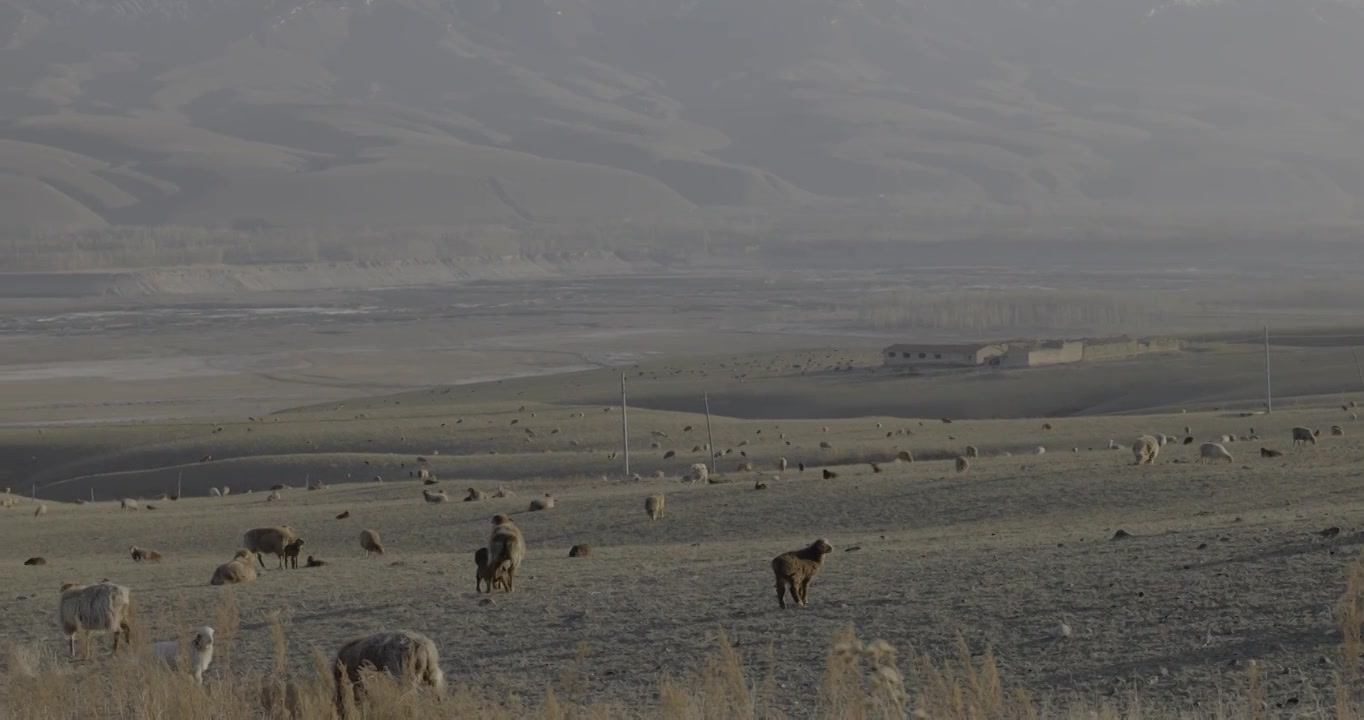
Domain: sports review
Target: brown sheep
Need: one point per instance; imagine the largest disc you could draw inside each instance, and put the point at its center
(291, 552)
(653, 505)
(905, 456)
(1267, 453)
(344, 514)
(829, 474)
(314, 562)
(36, 561)
(369, 540)
(406, 655)
(794, 570)
(269, 540)
(484, 575)
(506, 550)
(140, 555)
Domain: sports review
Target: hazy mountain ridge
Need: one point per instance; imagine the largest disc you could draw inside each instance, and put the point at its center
(382, 113)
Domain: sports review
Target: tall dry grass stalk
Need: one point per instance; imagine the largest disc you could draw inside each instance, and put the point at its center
(861, 681)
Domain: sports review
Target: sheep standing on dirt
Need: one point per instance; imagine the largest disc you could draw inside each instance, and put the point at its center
(239, 570)
(40, 511)
(140, 555)
(291, 553)
(369, 540)
(199, 652)
(699, 473)
(484, 575)
(653, 505)
(963, 464)
(781, 464)
(1337, 431)
(270, 540)
(1145, 450)
(406, 655)
(128, 504)
(1303, 436)
(971, 451)
(105, 607)
(794, 570)
(506, 550)
(1214, 452)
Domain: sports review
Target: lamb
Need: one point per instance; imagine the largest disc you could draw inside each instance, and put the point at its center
(406, 655)
(369, 540)
(795, 570)
(314, 562)
(484, 575)
(199, 652)
(140, 555)
(506, 550)
(1214, 452)
(104, 607)
(544, 503)
(1267, 453)
(269, 540)
(653, 505)
(1145, 450)
(291, 553)
(239, 570)
(963, 464)
(36, 561)
(436, 497)
(1303, 436)
(475, 495)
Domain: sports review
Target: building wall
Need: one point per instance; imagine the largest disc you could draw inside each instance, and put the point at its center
(1127, 348)
(947, 359)
(1068, 352)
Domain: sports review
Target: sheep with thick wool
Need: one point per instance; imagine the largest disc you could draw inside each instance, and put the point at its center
(369, 540)
(269, 540)
(1145, 450)
(104, 607)
(1304, 436)
(239, 570)
(653, 505)
(794, 570)
(1213, 452)
(506, 551)
(408, 656)
(197, 652)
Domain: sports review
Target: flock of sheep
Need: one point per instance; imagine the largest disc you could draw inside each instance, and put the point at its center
(411, 657)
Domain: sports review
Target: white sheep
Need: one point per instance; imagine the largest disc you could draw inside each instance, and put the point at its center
(104, 607)
(1303, 436)
(128, 504)
(198, 651)
(406, 655)
(1145, 450)
(1214, 452)
(699, 473)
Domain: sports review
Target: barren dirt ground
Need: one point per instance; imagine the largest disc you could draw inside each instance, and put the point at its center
(1223, 564)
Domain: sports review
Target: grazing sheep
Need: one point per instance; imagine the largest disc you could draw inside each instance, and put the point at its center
(1267, 453)
(369, 540)
(269, 540)
(1162, 439)
(40, 511)
(239, 570)
(829, 474)
(314, 562)
(794, 570)
(406, 655)
(291, 553)
(1214, 452)
(1039, 450)
(344, 514)
(544, 503)
(273, 496)
(826, 446)
(199, 652)
(214, 492)
(436, 497)
(140, 555)
(1145, 450)
(759, 485)
(653, 505)
(580, 550)
(36, 561)
(128, 504)
(972, 451)
(699, 473)
(1303, 436)
(905, 456)
(1337, 431)
(963, 464)
(506, 550)
(226, 491)
(475, 495)
(104, 607)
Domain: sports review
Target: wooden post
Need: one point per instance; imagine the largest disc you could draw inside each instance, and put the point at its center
(1269, 394)
(624, 426)
(178, 479)
(1358, 370)
(710, 437)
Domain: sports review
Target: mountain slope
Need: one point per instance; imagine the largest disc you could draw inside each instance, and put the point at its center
(387, 113)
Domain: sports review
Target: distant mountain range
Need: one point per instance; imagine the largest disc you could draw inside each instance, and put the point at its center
(398, 113)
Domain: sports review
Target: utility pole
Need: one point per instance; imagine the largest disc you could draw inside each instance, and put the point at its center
(1269, 388)
(624, 426)
(1357, 368)
(710, 437)
(178, 479)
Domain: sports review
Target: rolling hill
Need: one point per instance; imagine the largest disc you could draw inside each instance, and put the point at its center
(402, 113)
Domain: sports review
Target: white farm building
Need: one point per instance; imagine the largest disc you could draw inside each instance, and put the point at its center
(966, 355)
